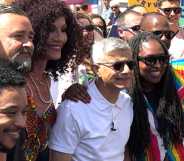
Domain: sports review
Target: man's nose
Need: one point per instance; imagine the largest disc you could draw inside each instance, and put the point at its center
(29, 44)
(158, 64)
(172, 13)
(126, 69)
(164, 37)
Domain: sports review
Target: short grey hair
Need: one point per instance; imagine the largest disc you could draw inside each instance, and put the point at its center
(103, 47)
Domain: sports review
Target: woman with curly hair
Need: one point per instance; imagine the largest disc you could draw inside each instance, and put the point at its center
(55, 41)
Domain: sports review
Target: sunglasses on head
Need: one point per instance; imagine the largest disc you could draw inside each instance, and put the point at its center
(88, 28)
(168, 34)
(153, 59)
(119, 65)
(167, 11)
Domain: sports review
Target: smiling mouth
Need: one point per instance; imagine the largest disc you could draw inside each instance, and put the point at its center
(54, 46)
(123, 78)
(155, 73)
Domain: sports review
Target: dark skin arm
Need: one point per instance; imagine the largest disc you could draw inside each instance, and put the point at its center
(77, 92)
(57, 156)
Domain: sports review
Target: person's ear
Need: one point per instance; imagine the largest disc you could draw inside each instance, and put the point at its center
(121, 33)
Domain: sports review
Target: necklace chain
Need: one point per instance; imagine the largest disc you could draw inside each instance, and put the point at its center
(39, 93)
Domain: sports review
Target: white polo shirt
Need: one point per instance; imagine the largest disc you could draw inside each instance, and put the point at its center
(84, 130)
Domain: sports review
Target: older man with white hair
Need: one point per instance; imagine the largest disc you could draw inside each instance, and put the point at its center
(99, 130)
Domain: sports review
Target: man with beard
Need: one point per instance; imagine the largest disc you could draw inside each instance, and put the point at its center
(16, 35)
(13, 105)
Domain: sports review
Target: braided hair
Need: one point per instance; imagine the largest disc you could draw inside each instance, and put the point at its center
(168, 113)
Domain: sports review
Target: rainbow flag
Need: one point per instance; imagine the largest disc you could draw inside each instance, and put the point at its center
(173, 152)
(178, 71)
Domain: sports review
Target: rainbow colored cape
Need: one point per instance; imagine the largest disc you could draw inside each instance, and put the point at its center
(178, 70)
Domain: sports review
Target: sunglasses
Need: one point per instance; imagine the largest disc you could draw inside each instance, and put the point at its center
(119, 65)
(168, 34)
(135, 28)
(167, 11)
(153, 59)
(88, 27)
(114, 7)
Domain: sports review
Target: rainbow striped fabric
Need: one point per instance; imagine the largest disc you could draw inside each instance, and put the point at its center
(178, 70)
(173, 153)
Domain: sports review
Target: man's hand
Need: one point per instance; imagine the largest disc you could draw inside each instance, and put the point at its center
(76, 92)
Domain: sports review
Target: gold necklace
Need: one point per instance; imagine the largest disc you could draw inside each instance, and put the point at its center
(42, 99)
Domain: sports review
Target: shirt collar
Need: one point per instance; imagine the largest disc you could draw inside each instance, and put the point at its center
(104, 103)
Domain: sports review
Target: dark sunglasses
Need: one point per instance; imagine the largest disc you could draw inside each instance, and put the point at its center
(176, 10)
(153, 59)
(119, 65)
(88, 27)
(114, 7)
(135, 28)
(168, 34)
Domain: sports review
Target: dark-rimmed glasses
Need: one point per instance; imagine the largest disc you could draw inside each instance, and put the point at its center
(114, 7)
(134, 29)
(119, 65)
(167, 11)
(168, 34)
(153, 59)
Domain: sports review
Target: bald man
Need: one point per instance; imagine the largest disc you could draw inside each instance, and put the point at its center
(159, 25)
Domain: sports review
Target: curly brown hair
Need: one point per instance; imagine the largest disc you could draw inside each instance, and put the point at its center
(42, 14)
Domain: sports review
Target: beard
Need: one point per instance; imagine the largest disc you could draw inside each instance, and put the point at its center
(22, 59)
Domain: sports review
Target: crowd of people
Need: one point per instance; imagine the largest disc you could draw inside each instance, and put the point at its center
(79, 86)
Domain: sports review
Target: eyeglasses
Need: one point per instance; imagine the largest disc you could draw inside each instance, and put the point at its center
(153, 59)
(167, 11)
(168, 34)
(119, 65)
(135, 28)
(114, 7)
(88, 27)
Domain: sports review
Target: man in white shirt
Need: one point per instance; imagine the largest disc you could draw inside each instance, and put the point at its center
(98, 131)
(106, 11)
